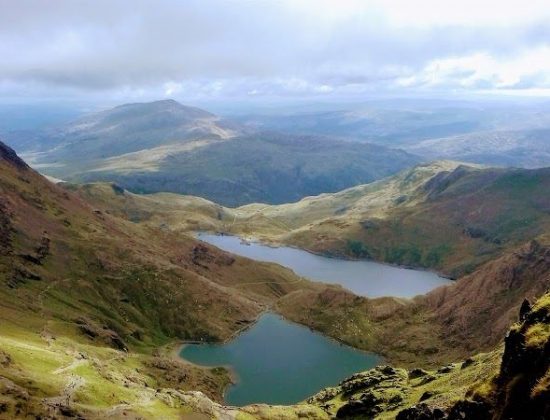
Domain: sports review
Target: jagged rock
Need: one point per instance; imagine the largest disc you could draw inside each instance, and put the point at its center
(368, 379)
(9, 155)
(523, 365)
(366, 405)
(201, 255)
(40, 252)
(6, 229)
(5, 359)
(466, 363)
(20, 275)
(524, 310)
(420, 412)
(427, 379)
(445, 369)
(417, 373)
(427, 395)
(324, 395)
(94, 332)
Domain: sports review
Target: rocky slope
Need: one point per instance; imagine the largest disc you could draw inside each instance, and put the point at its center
(165, 146)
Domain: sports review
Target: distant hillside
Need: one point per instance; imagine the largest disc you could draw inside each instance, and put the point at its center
(165, 146)
(484, 133)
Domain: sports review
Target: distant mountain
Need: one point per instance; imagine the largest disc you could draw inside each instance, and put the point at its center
(125, 129)
(523, 148)
(387, 126)
(484, 133)
(165, 146)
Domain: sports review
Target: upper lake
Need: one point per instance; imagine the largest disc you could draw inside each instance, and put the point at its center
(365, 278)
(278, 362)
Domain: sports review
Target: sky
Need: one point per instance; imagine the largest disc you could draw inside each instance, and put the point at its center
(130, 50)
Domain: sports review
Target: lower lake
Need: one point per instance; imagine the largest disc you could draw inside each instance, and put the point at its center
(279, 362)
(365, 278)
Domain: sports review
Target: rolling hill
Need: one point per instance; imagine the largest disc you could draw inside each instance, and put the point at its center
(165, 146)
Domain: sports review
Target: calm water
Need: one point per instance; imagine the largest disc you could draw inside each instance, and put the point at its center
(277, 362)
(365, 278)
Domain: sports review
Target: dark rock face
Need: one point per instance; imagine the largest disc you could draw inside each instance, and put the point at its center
(417, 373)
(41, 251)
(524, 310)
(202, 256)
(9, 155)
(524, 363)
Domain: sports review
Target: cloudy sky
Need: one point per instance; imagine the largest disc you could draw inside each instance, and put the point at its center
(196, 49)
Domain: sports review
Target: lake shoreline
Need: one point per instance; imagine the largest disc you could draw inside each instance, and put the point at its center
(277, 244)
(362, 277)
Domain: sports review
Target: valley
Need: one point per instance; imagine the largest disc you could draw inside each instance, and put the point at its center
(433, 329)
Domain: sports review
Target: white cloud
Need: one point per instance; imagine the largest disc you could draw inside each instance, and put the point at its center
(224, 48)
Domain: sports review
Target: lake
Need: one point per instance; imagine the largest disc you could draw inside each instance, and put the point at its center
(365, 278)
(278, 362)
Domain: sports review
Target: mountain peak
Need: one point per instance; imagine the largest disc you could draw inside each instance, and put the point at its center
(165, 105)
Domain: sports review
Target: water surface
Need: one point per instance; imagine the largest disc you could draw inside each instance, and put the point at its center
(366, 278)
(278, 362)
